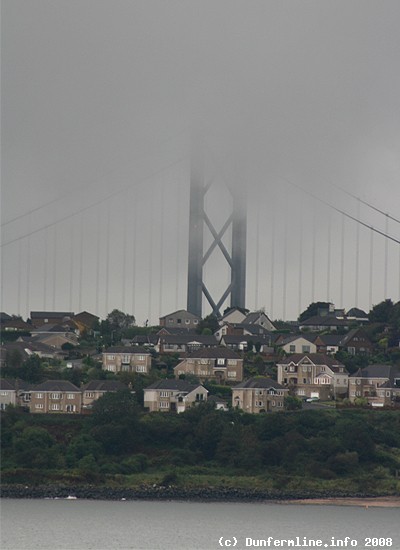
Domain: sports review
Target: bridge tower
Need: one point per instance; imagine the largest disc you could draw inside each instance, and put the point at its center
(236, 221)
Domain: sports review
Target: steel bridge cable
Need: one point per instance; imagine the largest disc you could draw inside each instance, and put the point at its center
(336, 209)
(100, 201)
(365, 203)
(83, 187)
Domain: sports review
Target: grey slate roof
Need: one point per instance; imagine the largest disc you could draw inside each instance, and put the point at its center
(325, 321)
(104, 385)
(214, 353)
(377, 371)
(173, 384)
(316, 358)
(331, 339)
(56, 385)
(127, 349)
(51, 314)
(179, 339)
(259, 382)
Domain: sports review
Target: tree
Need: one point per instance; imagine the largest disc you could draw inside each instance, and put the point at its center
(380, 313)
(115, 422)
(209, 323)
(312, 310)
(120, 321)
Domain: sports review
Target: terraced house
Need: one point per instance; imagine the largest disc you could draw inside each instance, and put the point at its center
(218, 364)
(127, 359)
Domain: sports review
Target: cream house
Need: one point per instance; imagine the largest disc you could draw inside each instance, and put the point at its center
(313, 375)
(259, 395)
(127, 359)
(220, 364)
(173, 395)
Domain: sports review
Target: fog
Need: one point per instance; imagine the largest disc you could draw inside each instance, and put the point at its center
(298, 101)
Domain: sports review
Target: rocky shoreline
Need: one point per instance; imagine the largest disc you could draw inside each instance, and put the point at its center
(214, 494)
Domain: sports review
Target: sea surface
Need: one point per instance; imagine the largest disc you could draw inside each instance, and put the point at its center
(120, 525)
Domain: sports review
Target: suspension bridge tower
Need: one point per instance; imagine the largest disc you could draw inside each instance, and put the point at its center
(235, 255)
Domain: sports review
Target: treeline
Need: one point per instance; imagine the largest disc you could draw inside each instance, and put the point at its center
(118, 440)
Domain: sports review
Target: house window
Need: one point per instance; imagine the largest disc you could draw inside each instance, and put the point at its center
(39, 406)
(126, 359)
(203, 373)
(203, 361)
(111, 357)
(304, 380)
(280, 404)
(70, 396)
(141, 368)
(292, 348)
(232, 362)
(111, 368)
(358, 382)
(388, 394)
(4, 393)
(231, 374)
(179, 321)
(187, 321)
(140, 357)
(221, 361)
(259, 403)
(195, 322)
(89, 394)
(55, 407)
(351, 351)
(301, 392)
(353, 393)
(165, 393)
(55, 396)
(170, 320)
(164, 405)
(305, 349)
(273, 403)
(39, 396)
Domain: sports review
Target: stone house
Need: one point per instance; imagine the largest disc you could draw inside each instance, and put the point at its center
(313, 375)
(259, 395)
(127, 359)
(55, 396)
(173, 395)
(180, 319)
(298, 344)
(379, 384)
(95, 389)
(8, 394)
(219, 364)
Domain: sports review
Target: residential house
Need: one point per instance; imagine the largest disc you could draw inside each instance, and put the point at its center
(324, 322)
(298, 344)
(313, 375)
(220, 364)
(54, 335)
(261, 343)
(259, 395)
(8, 394)
(219, 403)
(15, 324)
(179, 319)
(173, 395)
(356, 341)
(357, 315)
(379, 384)
(55, 396)
(328, 343)
(234, 315)
(127, 359)
(95, 389)
(259, 318)
(85, 322)
(184, 343)
(145, 340)
(39, 318)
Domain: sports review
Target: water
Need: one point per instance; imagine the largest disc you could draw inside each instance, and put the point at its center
(137, 525)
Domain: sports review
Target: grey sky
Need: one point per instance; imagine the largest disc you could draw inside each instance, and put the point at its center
(100, 97)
